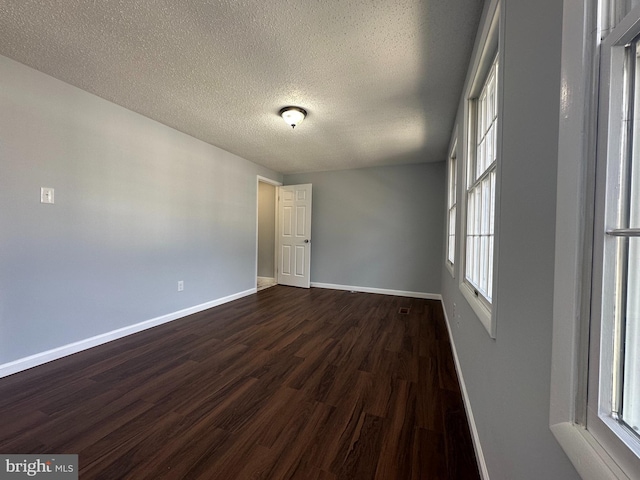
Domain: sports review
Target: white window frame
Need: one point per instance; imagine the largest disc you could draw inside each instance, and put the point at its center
(452, 193)
(596, 450)
(600, 396)
(490, 51)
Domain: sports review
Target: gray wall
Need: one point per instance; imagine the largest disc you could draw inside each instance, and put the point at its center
(378, 227)
(138, 206)
(266, 229)
(508, 378)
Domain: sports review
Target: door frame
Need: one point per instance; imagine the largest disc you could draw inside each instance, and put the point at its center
(275, 183)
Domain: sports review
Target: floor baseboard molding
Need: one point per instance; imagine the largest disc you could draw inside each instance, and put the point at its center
(482, 464)
(44, 357)
(381, 291)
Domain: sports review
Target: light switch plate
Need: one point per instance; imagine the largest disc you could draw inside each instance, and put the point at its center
(46, 195)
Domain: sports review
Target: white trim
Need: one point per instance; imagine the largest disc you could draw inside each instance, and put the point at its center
(381, 291)
(489, 46)
(447, 263)
(479, 308)
(75, 347)
(486, 43)
(578, 110)
(453, 156)
(482, 464)
(576, 116)
(623, 447)
(589, 458)
(275, 183)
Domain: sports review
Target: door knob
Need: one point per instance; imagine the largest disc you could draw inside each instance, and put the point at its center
(306, 240)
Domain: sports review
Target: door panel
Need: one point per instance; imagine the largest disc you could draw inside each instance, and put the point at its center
(286, 260)
(301, 213)
(294, 238)
(287, 222)
(300, 253)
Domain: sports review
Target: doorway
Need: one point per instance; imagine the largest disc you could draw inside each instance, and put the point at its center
(266, 233)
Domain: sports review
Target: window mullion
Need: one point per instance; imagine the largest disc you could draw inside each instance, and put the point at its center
(490, 169)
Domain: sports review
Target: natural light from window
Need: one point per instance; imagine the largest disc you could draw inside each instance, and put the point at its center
(451, 218)
(481, 181)
(629, 253)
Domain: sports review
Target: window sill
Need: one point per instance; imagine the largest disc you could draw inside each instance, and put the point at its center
(450, 267)
(588, 457)
(480, 309)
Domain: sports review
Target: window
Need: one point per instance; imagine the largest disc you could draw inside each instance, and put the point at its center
(622, 252)
(481, 186)
(613, 397)
(478, 209)
(451, 209)
(596, 368)
(594, 382)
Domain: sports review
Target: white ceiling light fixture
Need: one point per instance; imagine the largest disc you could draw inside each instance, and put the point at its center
(293, 115)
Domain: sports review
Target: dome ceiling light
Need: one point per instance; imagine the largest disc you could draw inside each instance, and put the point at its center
(293, 115)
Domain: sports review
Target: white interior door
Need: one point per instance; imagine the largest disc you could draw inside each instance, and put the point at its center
(294, 235)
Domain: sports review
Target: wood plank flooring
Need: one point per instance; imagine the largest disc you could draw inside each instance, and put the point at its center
(284, 384)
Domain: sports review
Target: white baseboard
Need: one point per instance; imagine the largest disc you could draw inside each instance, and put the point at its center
(381, 291)
(482, 464)
(75, 347)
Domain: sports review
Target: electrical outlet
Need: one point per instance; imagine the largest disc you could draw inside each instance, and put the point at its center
(180, 285)
(46, 195)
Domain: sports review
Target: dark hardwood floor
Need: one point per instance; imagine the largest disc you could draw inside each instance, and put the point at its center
(285, 384)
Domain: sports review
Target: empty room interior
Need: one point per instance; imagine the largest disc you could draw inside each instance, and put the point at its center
(385, 239)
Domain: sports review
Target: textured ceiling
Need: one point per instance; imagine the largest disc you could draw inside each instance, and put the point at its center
(381, 79)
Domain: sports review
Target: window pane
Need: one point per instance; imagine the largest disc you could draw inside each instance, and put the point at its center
(480, 207)
(490, 147)
(452, 235)
(482, 274)
(490, 286)
(630, 293)
(631, 382)
(492, 208)
(485, 119)
(452, 181)
(451, 218)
